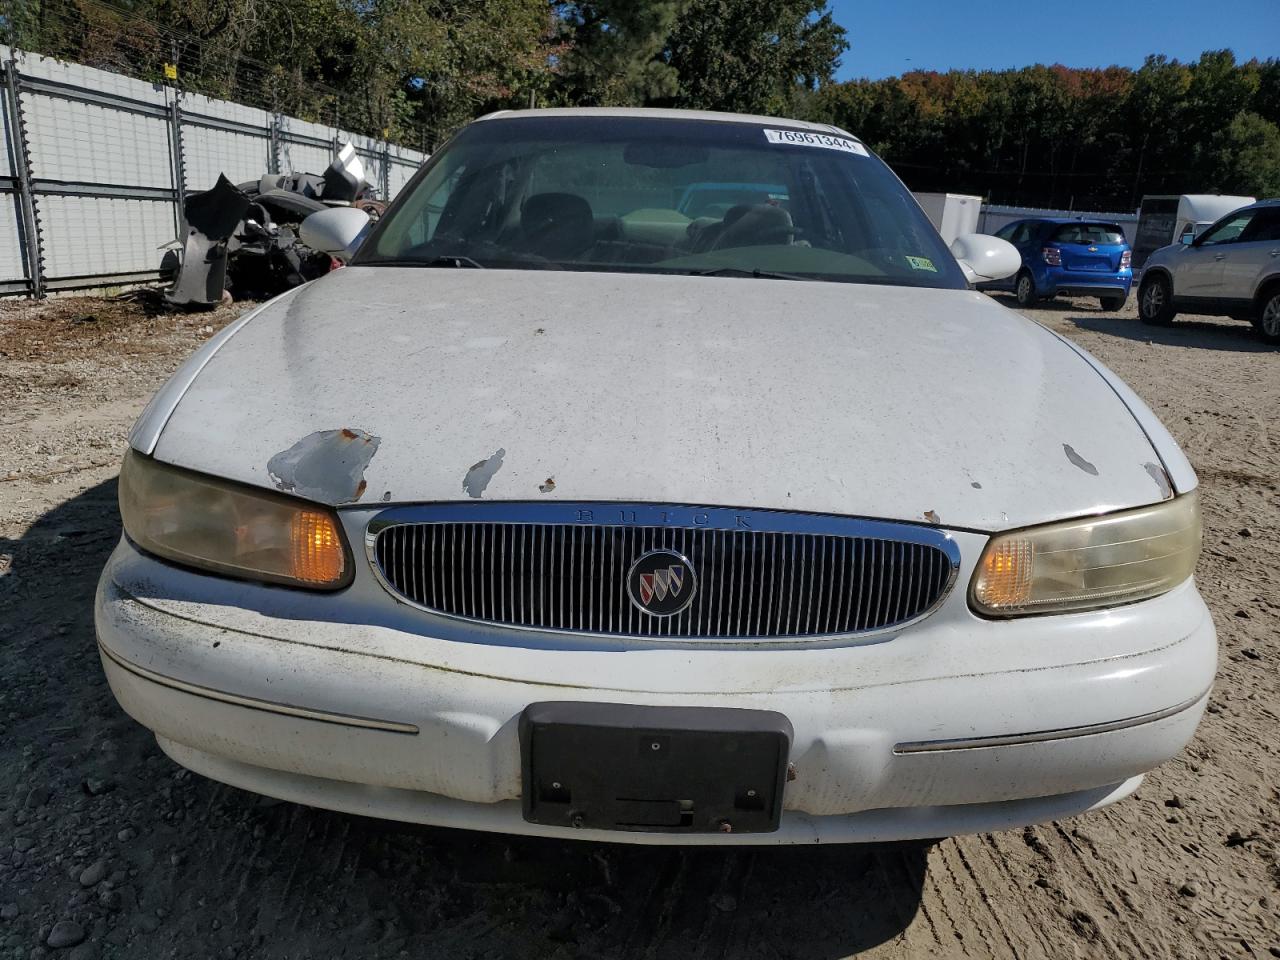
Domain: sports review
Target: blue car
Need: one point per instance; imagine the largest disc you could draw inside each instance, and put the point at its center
(1074, 258)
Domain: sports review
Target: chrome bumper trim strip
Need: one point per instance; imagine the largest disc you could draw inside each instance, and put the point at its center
(1042, 736)
(251, 703)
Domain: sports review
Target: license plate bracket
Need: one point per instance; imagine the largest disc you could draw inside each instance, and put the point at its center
(627, 767)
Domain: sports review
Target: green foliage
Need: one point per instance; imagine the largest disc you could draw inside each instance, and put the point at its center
(613, 52)
(1250, 157)
(712, 54)
(751, 57)
(1087, 138)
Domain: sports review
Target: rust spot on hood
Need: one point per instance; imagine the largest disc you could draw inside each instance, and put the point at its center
(327, 466)
(932, 517)
(548, 486)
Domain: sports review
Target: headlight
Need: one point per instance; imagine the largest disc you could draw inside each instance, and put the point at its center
(208, 523)
(1093, 562)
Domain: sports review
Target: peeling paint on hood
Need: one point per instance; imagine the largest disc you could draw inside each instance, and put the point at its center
(327, 465)
(1161, 477)
(1078, 461)
(825, 397)
(481, 473)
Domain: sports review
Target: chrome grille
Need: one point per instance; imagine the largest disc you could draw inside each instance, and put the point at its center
(752, 584)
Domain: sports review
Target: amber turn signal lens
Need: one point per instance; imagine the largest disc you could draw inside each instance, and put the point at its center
(318, 556)
(1006, 573)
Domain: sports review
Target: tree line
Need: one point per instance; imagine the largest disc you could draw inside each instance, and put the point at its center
(1056, 136)
(415, 70)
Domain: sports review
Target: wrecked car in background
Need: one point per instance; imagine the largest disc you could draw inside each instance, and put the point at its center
(564, 511)
(245, 239)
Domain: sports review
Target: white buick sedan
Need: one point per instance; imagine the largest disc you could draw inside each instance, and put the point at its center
(658, 477)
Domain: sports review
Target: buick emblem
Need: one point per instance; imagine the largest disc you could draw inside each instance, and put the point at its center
(661, 583)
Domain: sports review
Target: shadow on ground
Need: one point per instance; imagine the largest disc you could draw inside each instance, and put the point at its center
(1237, 335)
(193, 867)
(1048, 306)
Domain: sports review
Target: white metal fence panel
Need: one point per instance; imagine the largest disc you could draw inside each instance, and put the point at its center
(85, 142)
(87, 79)
(6, 122)
(12, 268)
(102, 236)
(404, 164)
(221, 137)
(12, 264)
(207, 153)
(305, 147)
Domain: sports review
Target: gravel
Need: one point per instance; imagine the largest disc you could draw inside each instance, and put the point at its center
(94, 874)
(65, 933)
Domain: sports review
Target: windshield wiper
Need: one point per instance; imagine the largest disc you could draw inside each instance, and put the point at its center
(741, 272)
(450, 261)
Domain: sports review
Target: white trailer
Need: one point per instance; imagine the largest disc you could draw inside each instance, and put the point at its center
(952, 213)
(1163, 220)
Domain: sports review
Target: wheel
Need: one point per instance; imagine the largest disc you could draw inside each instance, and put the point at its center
(1112, 303)
(1025, 290)
(1267, 319)
(1155, 301)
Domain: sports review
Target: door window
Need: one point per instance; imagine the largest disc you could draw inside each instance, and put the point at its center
(1020, 232)
(1228, 230)
(1265, 226)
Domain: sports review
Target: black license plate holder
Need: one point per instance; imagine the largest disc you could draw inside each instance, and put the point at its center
(609, 766)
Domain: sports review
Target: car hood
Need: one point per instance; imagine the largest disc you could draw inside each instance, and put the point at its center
(398, 385)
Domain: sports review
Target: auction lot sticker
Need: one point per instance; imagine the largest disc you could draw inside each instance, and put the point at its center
(807, 138)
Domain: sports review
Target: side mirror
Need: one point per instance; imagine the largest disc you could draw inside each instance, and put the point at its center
(984, 258)
(1188, 238)
(337, 232)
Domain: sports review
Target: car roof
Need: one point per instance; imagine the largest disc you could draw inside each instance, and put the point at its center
(658, 113)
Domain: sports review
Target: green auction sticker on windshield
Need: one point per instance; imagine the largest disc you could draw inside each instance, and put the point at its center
(807, 138)
(922, 263)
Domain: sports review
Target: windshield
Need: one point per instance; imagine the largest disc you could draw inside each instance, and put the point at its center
(673, 196)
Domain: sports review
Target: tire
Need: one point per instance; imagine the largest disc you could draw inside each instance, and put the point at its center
(1267, 318)
(1155, 301)
(1024, 289)
(1112, 304)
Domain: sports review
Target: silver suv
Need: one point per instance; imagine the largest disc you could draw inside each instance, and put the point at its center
(1232, 269)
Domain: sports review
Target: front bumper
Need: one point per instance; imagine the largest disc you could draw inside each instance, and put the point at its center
(956, 725)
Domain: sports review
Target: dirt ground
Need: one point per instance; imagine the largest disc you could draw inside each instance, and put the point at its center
(107, 846)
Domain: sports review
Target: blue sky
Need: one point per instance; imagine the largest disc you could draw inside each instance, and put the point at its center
(942, 34)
